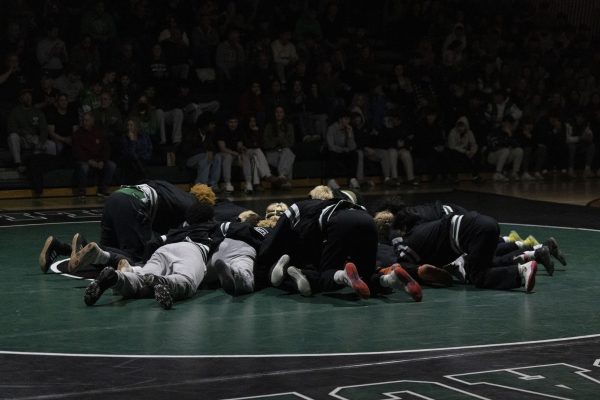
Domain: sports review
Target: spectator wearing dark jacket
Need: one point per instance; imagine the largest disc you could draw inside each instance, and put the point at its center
(430, 144)
(136, 151)
(504, 149)
(199, 150)
(92, 151)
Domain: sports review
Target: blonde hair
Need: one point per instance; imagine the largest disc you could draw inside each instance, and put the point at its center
(383, 218)
(204, 193)
(275, 210)
(249, 216)
(321, 192)
(268, 223)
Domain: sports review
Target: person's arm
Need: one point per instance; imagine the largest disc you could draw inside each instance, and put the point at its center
(351, 140)
(105, 148)
(79, 152)
(43, 127)
(290, 136)
(473, 147)
(570, 138)
(5, 75)
(454, 143)
(331, 131)
(224, 149)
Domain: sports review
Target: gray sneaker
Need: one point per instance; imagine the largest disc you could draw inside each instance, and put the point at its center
(278, 270)
(300, 280)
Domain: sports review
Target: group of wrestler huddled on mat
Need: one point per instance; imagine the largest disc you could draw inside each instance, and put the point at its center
(158, 240)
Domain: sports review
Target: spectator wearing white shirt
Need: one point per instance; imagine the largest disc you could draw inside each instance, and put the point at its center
(284, 54)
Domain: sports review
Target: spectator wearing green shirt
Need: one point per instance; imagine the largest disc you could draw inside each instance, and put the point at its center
(27, 130)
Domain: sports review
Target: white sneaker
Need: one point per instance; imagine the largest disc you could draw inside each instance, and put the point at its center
(279, 270)
(248, 187)
(527, 272)
(333, 184)
(499, 177)
(354, 184)
(229, 187)
(457, 269)
(299, 278)
(515, 177)
(527, 177)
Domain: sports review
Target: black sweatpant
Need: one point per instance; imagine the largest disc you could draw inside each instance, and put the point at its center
(126, 225)
(478, 238)
(351, 235)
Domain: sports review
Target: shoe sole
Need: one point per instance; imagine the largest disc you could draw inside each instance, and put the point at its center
(279, 270)
(302, 283)
(71, 265)
(86, 256)
(546, 261)
(555, 252)
(43, 259)
(74, 248)
(410, 285)
(163, 297)
(225, 276)
(434, 276)
(357, 284)
(92, 293)
(124, 266)
(94, 290)
(531, 281)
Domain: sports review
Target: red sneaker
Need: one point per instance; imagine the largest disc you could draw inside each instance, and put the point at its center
(410, 285)
(528, 274)
(434, 276)
(357, 284)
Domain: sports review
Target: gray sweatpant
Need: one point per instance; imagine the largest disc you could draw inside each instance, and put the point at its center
(182, 264)
(239, 256)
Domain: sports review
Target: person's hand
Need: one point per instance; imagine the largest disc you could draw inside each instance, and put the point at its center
(209, 156)
(93, 163)
(132, 135)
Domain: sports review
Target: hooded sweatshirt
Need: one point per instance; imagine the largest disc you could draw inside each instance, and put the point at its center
(462, 142)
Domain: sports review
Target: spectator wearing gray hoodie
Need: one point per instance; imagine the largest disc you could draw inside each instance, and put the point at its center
(463, 149)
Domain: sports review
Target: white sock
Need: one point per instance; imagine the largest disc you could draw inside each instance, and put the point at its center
(386, 280)
(505, 239)
(340, 277)
(519, 244)
(537, 246)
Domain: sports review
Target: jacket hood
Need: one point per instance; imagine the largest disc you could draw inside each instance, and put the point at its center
(465, 121)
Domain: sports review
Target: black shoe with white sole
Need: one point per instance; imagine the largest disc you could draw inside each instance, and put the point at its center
(105, 280)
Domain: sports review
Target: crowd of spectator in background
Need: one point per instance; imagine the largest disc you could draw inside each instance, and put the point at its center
(422, 88)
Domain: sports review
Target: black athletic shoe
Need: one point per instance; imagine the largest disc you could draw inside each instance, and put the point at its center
(50, 251)
(152, 280)
(105, 280)
(163, 296)
(542, 256)
(457, 269)
(225, 275)
(555, 251)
